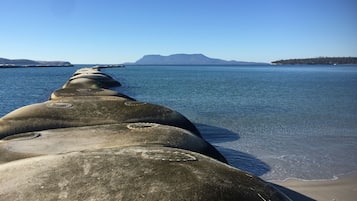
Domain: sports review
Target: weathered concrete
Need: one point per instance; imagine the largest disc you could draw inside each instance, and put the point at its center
(91, 143)
(132, 173)
(91, 82)
(58, 141)
(83, 92)
(93, 110)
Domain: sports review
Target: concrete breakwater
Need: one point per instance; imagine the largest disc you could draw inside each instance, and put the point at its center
(88, 142)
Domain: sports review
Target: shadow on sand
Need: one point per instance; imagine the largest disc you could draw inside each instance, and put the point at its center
(240, 160)
(295, 196)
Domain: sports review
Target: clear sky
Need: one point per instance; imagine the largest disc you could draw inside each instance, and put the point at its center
(116, 31)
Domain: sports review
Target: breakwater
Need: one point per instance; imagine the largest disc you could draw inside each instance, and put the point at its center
(90, 142)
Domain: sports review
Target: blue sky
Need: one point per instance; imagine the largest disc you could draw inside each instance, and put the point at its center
(116, 31)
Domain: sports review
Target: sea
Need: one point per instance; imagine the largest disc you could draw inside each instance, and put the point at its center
(276, 122)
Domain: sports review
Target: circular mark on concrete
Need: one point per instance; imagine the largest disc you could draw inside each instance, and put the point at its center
(59, 105)
(170, 156)
(133, 103)
(141, 125)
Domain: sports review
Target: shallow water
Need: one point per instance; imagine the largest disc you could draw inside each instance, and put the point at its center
(273, 121)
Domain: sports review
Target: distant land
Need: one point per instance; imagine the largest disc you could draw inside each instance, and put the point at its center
(319, 61)
(187, 59)
(20, 63)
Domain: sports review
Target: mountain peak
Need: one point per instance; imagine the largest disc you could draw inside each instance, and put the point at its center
(185, 59)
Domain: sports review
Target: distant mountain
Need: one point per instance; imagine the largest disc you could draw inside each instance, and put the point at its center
(187, 59)
(31, 63)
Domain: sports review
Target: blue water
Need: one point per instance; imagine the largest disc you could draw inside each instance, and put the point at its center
(276, 122)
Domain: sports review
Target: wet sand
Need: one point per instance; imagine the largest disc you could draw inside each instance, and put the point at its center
(343, 189)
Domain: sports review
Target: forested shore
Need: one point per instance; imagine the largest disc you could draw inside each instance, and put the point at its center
(319, 60)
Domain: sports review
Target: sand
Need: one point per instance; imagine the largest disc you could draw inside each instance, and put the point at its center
(342, 189)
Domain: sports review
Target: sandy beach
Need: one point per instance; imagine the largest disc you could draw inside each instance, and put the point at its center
(342, 189)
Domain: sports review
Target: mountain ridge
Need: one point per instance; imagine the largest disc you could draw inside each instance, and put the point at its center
(187, 59)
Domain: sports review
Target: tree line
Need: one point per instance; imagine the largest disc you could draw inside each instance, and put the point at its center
(319, 60)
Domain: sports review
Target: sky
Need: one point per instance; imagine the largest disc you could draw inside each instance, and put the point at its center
(118, 31)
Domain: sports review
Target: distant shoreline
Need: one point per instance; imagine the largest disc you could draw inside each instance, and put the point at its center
(185, 60)
(34, 66)
(318, 61)
(26, 63)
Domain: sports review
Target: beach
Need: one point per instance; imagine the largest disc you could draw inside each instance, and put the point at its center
(342, 189)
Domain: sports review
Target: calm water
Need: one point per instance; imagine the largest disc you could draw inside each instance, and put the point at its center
(275, 122)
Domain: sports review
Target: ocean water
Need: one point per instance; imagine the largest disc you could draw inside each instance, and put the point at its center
(276, 122)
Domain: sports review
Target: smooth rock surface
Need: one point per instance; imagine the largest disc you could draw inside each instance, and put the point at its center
(133, 173)
(97, 110)
(58, 141)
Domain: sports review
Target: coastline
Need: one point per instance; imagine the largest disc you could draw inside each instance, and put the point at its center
(34, 66)
(340, 189)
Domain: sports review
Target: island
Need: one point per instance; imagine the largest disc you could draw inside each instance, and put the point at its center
(187, 59)
(318, 61)
(22, 63)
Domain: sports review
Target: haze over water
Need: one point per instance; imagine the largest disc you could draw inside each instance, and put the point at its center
(276, 122)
